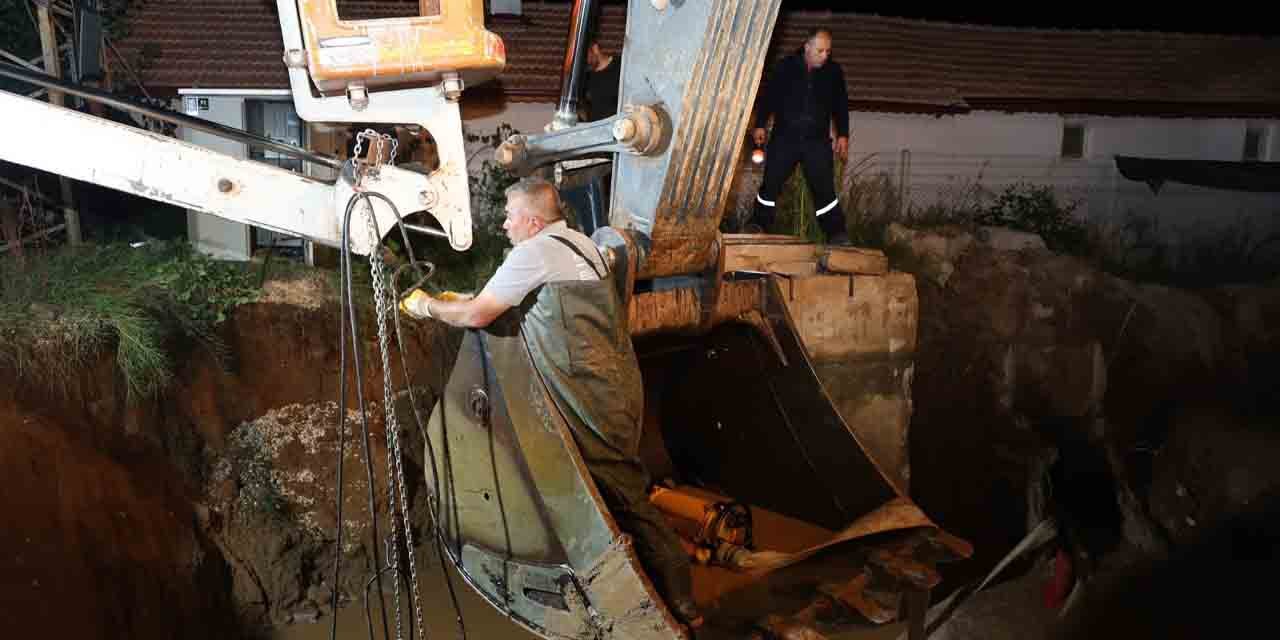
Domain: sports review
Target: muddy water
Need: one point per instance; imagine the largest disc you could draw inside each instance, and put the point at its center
(483, 622)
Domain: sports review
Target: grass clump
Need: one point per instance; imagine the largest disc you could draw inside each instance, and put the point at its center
(60, 309)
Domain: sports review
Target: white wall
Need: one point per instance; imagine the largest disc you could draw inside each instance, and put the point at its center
(525, 117)
(947, 156)
(211, 234)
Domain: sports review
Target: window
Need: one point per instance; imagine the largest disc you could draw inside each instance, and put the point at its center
(504, 7)
(276, 119)
(1073, 140)
(352, 9)
(1255, 142)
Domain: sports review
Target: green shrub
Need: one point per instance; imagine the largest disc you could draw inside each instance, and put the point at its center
(63, 307)
(467, 271)
(1035, 208)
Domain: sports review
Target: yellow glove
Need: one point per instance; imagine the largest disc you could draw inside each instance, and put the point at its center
(416, 304)
(453, 296)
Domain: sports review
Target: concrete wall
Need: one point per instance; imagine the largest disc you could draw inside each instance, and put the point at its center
(210, 234)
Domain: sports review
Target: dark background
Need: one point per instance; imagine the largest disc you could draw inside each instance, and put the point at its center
(1191, 17)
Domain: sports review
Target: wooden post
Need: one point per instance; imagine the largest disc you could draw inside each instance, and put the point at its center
(49, 44)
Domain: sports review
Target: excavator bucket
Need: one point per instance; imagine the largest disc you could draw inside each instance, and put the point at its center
(792, 525)
(736, 415)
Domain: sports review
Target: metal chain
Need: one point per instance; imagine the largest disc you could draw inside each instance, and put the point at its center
(377, 142)
(355, 153)
(395, 466)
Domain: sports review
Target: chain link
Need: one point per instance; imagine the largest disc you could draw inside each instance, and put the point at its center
(377, 144)
(395, 466)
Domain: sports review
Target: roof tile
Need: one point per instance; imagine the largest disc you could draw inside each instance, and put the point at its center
(236, 44)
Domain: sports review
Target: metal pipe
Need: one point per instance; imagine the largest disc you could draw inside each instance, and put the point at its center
(575, 59)
(48, 82)
(439, 233)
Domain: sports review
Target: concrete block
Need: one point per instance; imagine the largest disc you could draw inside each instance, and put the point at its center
(842, 315)
(856, 261)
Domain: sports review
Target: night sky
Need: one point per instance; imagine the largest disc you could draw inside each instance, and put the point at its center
(1192, 17)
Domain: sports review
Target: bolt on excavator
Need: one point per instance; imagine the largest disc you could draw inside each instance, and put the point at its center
(794, 528)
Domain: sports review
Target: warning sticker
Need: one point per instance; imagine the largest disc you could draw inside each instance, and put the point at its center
(350, 56)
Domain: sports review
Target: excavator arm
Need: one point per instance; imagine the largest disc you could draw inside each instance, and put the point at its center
(150, 165)
(391, 71)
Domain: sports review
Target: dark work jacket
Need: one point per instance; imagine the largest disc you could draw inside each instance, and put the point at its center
(804, 102)
(602, 90)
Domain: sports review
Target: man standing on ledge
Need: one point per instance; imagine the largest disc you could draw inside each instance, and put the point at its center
(806, 93)
(578, 343)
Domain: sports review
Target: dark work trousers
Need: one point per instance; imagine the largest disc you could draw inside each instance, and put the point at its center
(782, 155)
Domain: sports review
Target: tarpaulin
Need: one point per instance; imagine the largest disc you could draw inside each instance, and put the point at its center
(1261, 177)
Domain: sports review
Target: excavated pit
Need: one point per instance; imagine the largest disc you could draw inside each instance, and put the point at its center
(123, 512)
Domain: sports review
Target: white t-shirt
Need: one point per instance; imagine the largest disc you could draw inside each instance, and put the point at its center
(542, 259)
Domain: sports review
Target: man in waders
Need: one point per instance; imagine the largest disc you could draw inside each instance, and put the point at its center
(600, 391)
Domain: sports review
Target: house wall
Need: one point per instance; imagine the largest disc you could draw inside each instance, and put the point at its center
(211, 234)
(949, 161)
(953, 158)
(484, 117)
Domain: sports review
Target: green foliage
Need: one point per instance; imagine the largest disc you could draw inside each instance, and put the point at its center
(18, 30)
(1035, 208)
(490, 182)
(1137, 249)
(467, 271)
(60, 310)
(796, 211)
(204, 289)
(870, 203)
(1134, 249)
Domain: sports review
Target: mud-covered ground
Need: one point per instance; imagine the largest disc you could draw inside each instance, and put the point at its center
(1138, 414)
